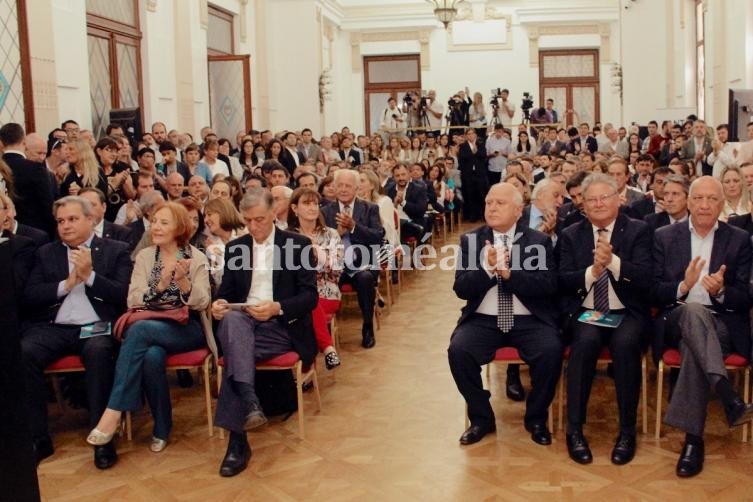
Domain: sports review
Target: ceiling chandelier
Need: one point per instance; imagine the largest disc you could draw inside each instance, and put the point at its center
(445, 10)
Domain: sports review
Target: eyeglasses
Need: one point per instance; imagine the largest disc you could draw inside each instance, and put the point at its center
(592, 201)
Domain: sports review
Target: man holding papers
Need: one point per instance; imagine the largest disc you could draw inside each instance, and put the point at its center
(604, 267)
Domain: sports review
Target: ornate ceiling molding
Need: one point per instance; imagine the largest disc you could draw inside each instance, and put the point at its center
(491, 14)
(536, 31)
(420, 36)
(151, 5)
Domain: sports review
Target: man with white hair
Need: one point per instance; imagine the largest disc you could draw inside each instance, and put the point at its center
(281, 204)
(175, 184)
(701, 270)
(36, 147)
(359, 226)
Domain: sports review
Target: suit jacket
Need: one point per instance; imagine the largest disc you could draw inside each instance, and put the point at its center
(22, 250)
(732, 247)
(535, 289)
(591, 145)
(314, 152)
(688, 153)
(470, 164)
(632, 196)
(287, 160)
(111, 263)
(136, 229)
(369, 231)
(656, 220)
(351, 154)
(33, 198)
(559, 147)
(630, 240)
(743, 221)
(294, 288)
(416, 200)
(639, 208)
(39, 237)
(117, 232)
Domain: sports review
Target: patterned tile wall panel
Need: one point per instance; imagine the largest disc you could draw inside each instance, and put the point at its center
(11, 84)
(226, 97)
(128, 76)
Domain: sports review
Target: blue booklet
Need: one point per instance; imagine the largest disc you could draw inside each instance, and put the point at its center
(606, 320)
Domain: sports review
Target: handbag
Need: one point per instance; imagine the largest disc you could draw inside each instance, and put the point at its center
(132, 315)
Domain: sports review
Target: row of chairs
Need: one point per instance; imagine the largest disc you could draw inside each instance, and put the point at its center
(670, 359)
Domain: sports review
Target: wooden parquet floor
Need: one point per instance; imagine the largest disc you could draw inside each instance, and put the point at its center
(388, 431)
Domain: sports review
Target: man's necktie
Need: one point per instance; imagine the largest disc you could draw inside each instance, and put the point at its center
(601, 288)
(505, 315)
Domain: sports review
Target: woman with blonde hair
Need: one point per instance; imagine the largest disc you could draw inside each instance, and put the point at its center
(370, 190)
(736, 196)
(85, 171)
(223, 224)
(518, 180)
(477, 115)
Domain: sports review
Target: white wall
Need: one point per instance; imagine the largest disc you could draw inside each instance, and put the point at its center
(71, 58)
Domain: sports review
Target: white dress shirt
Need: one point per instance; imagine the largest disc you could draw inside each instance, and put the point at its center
(700, 246)
(76, 308)
(263, 267)
(490, 304)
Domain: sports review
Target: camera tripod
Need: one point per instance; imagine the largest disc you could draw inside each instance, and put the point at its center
(495, 118)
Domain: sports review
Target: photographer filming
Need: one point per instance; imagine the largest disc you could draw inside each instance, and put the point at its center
(392, 121)
(457, 114)
(506, 108)
(433, 111)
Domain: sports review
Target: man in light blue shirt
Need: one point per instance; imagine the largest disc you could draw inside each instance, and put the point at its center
(497, 151)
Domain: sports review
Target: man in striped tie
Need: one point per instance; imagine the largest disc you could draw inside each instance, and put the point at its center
(604, 266)
(505, 272)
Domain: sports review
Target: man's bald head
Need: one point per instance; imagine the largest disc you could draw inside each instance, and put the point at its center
(36, 147)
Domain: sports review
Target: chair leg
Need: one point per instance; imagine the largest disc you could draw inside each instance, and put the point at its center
(208, 396)
(219, 384)
(298, 374)
(644, 394)
(746, 398)
(58, 393)
(129, 430)
(315, 379)
(561, 406)
(659, 385)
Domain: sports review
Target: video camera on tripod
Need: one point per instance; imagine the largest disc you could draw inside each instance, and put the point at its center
(495, 94)
(527, 104)
(412, 98)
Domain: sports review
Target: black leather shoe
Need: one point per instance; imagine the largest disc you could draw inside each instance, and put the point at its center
(540, 434)
(43, 448)
(105, 456)
(368, 337)
(475, 433)
(691, 460)
(738, 412)
(624, 449)
(514, 388)
(236, 457)
(577, 448)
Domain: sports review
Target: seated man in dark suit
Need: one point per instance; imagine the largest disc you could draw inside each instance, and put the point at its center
(78, 286)
(604, 264)
(509, 303)
(21, 249)
(572, 211)
(33, 194)
(265, 270)
(102, 227)
(10, 224)
(675, 203)
(701, 271)
(359, 226)
(410, 200)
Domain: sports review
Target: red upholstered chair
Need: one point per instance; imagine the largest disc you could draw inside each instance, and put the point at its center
(199, 360)
(66, 364)
(288, 361)
(605, 357)
(509, 355)
(671, 359)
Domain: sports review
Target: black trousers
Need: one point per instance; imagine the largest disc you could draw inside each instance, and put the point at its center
(474, 190)
(625, 344)
(474, 343)
(364, 282)
(43, 344)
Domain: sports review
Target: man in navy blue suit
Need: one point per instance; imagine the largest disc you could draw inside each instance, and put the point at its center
(506, 275)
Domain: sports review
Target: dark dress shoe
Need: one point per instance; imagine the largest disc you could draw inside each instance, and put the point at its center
(691, 460)
(738, 412)
(368, 337)
(577, 448)
(514, 388)
(540, 434)
(43, 448)
(236, 458)
(475, 433)
(624, 449)
(105, 456)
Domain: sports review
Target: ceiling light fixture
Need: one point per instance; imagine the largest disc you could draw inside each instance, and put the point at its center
(445, 10)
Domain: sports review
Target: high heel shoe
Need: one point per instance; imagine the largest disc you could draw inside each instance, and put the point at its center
(98, 438)
(158, 444)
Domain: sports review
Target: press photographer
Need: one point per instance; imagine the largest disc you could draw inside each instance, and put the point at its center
(457, 114)
(503, 108)
(434, 113)
(392, 121)
(526, 105)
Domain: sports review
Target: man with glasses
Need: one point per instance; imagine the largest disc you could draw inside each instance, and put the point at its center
(701, 270)
(603, 269)
(71, 129)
